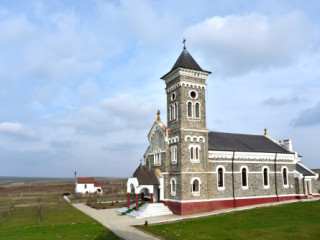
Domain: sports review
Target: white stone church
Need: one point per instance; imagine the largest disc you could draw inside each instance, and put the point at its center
(192, 169)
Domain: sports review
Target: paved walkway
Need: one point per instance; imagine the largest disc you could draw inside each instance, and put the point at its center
(122, 226)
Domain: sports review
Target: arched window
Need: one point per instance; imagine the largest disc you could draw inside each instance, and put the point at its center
(85, 186)
(195, 186)
(176, 111)
(197, 153)
(244, 177)
(220, 177)
(285, 177)
(197, 110)
(265, 177)
(173, 186)
(191, 153)
(174, 155)
(189, 109)
(171, 112)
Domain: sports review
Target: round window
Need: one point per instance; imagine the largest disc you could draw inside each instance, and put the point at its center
(173, 96)
(193, 94)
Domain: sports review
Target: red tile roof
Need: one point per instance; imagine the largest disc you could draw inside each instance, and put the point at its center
(85, 180)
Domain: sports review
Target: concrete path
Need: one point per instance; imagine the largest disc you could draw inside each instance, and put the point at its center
(122, 226)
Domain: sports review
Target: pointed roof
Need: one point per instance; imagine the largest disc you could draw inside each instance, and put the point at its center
(185, 60)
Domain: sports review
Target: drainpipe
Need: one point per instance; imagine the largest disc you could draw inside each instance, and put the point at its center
(275, 176)
(234, 199)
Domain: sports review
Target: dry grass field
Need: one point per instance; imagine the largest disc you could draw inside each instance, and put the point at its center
(37, 210)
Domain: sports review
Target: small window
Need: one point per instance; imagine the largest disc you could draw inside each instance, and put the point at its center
(189, 109)
(285, 177)
(174, 155)
(191, 153)
(195, 186)
(197, 110)
(176, 111)
(85, 186)
(173, 186)
(265, 177)
(244, 177)
(220, 177)
(173, 96)
(193, 94)
(197, 153)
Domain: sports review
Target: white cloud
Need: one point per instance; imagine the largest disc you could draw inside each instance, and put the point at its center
(239, 44)
(17, 131)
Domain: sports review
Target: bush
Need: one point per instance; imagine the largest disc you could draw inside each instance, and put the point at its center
(146, 223)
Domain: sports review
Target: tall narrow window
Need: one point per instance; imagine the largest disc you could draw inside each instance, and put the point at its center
(176, 111)
(189, 109)
(285, 177)
(197, 153)
(173, 185)
(197, 110)
(220, 177)
(171, 112)
(265, 177)
(191, 153)
(195, 186)
(244, 177)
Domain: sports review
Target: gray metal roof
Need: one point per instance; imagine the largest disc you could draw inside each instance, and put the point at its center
(304, 171)
(146, 177)
(243, 142)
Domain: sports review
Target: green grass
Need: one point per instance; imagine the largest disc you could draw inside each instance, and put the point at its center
(291, 221)
(58, 220)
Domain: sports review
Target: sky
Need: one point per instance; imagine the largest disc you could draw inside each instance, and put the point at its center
(80, 80)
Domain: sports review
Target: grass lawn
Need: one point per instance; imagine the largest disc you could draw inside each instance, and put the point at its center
(290, 221)
(58, 220)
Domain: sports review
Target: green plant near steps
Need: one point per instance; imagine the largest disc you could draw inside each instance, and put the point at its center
(131, 209)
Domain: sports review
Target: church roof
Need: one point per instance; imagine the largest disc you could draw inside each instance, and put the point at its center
(185, 60)
(304, 171)
(146, 177)
(243, 142)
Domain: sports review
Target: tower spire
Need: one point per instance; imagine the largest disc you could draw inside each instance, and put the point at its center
(184, 43)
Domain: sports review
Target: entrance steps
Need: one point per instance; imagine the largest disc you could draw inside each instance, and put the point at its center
(151, 210)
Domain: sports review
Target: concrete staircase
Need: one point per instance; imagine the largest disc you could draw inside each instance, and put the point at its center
(151, 210)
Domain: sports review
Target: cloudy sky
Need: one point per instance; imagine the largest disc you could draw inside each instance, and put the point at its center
(80, 80)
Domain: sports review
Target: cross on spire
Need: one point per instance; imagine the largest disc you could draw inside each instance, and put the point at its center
(184, 43)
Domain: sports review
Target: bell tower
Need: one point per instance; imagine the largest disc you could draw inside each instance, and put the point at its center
(186, 114)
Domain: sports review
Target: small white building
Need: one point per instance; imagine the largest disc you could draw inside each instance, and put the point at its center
(87, 185)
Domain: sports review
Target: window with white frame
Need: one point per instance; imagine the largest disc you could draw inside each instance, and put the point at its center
(195, 182)
(174, 154)
(220, 177)
(194, 153)
(189, 109)
(197, 110)
(176, 111)
(173, 186)
(285, 177)
(265, 175)
(157, 157)
(173, 111)
(244, 177)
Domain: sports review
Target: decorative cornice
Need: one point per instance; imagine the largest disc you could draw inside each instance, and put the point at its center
(187, 84)
(185, 72)
(250, 155)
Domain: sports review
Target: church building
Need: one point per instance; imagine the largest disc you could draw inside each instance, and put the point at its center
(192, 169)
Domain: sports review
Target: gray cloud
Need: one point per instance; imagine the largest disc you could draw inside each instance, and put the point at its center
(281, 101)
(308, 117)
